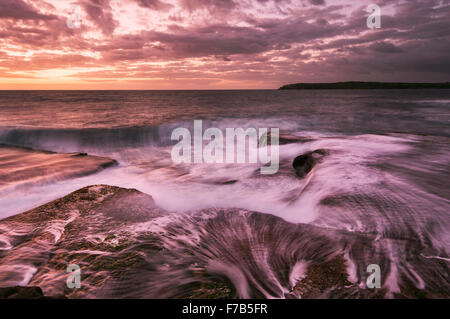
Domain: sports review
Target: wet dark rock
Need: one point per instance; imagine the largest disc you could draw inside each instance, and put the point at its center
(21, 293)
(321, 277)
(228, 182)
(218, 289)
(80, 155)
(130, 205)
(303, 164)
(217, 181)
(31, 292)
(88, 220)
(284, 139)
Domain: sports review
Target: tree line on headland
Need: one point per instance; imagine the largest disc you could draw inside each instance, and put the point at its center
(364, 86)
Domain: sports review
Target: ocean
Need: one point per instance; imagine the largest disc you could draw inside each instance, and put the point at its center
(385, 173)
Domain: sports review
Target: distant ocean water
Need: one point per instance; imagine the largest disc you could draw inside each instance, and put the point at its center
(387, 172)
(339, 111)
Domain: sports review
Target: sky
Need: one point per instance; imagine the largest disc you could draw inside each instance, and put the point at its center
(219, 44)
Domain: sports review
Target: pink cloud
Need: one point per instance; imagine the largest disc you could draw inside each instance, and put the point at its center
(259, 43)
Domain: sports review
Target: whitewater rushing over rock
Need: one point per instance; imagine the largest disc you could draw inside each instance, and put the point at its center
(360, 183)
(127, 247)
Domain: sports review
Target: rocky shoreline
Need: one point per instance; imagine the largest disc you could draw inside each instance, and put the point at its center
(127, 247)
(107, 254)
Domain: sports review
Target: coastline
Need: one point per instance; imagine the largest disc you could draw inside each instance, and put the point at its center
(357, 85)
(120, 236)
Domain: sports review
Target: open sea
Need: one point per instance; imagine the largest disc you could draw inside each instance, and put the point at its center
(386, 173)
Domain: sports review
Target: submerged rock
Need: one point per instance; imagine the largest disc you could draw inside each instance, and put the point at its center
(303, 164)
(21, 166)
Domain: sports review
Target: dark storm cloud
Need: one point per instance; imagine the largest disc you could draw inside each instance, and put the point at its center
(18, 9)
(318, 2)
(385, 47)
(208, 4)
(154, 4)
